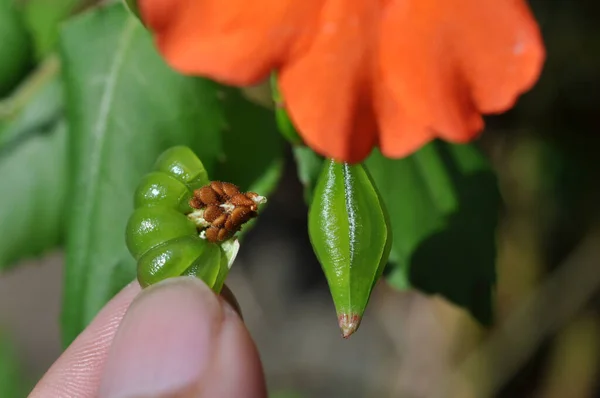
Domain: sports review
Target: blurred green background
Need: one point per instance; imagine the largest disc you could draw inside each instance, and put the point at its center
(546, 340)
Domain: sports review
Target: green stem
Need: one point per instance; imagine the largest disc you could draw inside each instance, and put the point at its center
(12, 106)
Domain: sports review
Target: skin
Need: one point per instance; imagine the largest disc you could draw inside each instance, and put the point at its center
(173, 339)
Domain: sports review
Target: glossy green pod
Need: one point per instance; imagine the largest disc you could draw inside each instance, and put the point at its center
(351, 236)
(149, 227)
(160, 235)
(189, 255)
(182, 164)
(161, 189)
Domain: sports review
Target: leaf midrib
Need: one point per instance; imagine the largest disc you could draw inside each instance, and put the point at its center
(99, 134)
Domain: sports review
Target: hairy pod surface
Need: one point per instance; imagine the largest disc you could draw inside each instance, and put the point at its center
(351, 236)
(161, 235)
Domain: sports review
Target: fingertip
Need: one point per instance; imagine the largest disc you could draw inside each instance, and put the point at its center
(67, 377)
(179, 336)
(237, 370)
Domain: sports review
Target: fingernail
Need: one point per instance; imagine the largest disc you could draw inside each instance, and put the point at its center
(165, 342)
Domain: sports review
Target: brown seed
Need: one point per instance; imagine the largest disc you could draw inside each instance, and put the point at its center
(220, 221)
(252, 195)
(195, 203)
(223, 235)
(212, 234)
(207, 195)
(217, 186)
(229, 225)
(241, 200)
(230, 189)
(212, 212)
(240, 215)
(233, 228)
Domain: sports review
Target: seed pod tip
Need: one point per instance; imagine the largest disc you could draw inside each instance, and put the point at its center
(349, 323)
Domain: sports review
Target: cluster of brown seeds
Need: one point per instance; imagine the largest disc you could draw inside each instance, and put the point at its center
(225, 208)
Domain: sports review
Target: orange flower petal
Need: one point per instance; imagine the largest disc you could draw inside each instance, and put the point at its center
(237, 42)
(359, 73)
(398, 135)
(326, 87)
(445, 62)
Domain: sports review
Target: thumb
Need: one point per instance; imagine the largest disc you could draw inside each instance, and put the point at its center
(179, 339)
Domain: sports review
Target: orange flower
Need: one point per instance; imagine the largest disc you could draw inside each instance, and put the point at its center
(360, 73)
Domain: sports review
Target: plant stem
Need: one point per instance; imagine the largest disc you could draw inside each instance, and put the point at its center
(12, 105)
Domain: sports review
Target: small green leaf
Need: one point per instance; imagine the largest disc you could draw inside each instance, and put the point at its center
(15, 47)
(443, 203)
(351, 237)
(33, 177)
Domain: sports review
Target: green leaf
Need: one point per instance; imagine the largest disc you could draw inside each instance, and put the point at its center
(39, 104)
(126, 106)
(351, 237)
(33, 176)
(252, 148)
(15, 47)
(43, 18)
(12, 383)
(443, 203)
(132, 6)
(284, 123)
(308, 165)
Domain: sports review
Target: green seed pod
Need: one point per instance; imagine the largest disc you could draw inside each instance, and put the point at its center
(167, 235)
(284, 123)
(188, 255)
(149, 227)
(181, 163)
(159, 233)
(161, 189)
(351, 236)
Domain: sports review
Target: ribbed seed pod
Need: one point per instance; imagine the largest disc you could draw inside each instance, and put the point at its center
(160, 234)
(351, 236)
